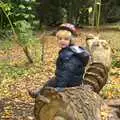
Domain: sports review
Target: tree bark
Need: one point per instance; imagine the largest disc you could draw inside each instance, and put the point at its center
(77, 103)
(26, 51)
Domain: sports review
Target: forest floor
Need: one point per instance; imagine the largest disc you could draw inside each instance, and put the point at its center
(16, 104)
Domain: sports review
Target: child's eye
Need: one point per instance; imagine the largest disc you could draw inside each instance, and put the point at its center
(59, 38)
(66, 38)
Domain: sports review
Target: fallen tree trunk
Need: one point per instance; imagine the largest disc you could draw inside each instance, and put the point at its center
(77, 103)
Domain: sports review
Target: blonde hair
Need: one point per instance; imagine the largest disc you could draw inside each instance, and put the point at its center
(65, 33)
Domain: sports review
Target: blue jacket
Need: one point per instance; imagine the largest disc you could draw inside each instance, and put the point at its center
(70, 66)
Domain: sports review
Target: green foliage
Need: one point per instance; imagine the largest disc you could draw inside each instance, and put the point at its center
(24, 11)
(29, 42)
(116, 63)
(55, 12)
(24, 32)
(16, 10)
(12, 71)
(97, 13)
(110, 11)
(5, 45)
(77, 11)
(5, 6)
(5, 35)
(52, 12)
(22, 16)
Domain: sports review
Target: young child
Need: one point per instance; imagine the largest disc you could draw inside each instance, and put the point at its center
(71, 61)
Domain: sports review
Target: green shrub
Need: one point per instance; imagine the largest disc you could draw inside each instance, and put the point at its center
(8, 71)
(116, 61)
(5, 45)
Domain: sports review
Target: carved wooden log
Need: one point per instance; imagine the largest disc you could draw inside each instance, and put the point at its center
(83, 102)
(96, 76)
(77, 103)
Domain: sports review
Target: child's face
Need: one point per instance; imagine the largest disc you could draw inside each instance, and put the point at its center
(63, 42)
(63, 38)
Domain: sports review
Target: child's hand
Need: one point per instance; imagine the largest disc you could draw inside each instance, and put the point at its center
(59, 89)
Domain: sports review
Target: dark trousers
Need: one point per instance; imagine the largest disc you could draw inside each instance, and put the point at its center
(49, 83)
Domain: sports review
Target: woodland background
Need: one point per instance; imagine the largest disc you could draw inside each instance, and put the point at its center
(28, 47)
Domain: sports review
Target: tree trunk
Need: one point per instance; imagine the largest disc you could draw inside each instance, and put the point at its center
(77, 103)
(26, 51)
